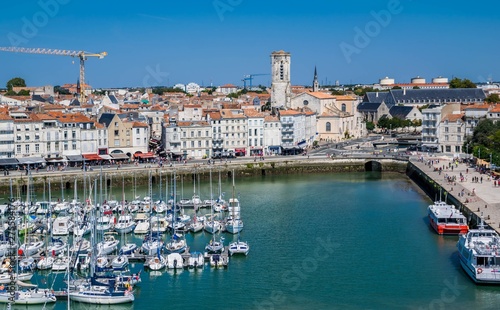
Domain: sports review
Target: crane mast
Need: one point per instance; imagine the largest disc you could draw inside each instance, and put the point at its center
(46, 51)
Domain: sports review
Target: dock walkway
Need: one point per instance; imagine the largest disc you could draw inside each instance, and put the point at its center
(482, 198)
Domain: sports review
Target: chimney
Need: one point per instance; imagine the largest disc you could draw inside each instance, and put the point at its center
(376, 95)
(404, 91)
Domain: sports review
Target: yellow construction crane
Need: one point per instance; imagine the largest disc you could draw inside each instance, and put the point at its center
(80, 54)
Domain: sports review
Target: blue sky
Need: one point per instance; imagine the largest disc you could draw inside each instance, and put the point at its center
(154, 43)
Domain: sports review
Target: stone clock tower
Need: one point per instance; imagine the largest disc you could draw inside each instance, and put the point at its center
(281, 89)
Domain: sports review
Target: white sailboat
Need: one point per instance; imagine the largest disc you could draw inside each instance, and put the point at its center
(238, 247)
(32, 296)
(234, 224)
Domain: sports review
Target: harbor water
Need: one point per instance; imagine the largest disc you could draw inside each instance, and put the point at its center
(320, 241)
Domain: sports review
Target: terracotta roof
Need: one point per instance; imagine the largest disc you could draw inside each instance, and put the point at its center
(227, 113)
(70, 118)
(496, 109)
(253, 113)
(478, 106)
(192, 106)
(453, 117)
(215, 115)
(99, 125)
(321, 95)
(139, 124)
(271, 118)
(5, 117)
(228, 86)
(189, 124)
(49, 107)
(343, 97)
(289, 112)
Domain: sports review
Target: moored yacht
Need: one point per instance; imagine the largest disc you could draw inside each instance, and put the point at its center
(479, 252)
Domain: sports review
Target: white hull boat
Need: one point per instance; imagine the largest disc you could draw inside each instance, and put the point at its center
(101, 295)
(120, 262)
(479, 253)
(174, 261)
(238, 247)
(25, 276)
(29, 297)
(157, 263)
(212, 227)
(61, 263)
(45, 263)
(125, 224)
(196, 260)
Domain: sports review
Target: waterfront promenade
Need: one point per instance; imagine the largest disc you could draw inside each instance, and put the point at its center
(481, 198)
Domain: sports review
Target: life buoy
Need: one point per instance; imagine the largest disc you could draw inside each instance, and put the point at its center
(479, 270)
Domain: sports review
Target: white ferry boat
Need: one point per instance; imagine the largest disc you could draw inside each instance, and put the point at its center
(446, 220)
(480, 255)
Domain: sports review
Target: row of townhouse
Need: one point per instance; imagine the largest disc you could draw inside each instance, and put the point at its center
(52, 136)
(61, 137)
(246, 132)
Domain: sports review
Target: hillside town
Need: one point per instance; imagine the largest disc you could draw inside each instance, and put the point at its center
(47, 127)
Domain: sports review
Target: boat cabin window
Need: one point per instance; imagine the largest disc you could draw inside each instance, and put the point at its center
(488, 261)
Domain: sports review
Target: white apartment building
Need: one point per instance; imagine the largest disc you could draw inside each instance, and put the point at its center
(293, 124)
(452, 133)
(431, 119)
(256, 142)
(272, 134)
(234, 129)
(6, 136)
(196, 139)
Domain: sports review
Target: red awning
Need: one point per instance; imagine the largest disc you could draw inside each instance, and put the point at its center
(91, 157)
(144, 155)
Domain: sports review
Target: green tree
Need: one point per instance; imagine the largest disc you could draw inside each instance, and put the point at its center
(60, 90)
(493, 98)
(23, 92)
(461, 83)
(370, 126)
(396, 87)
(361, 91)
(10, 93)
(16, 82)
(416, 87)
(337, 92)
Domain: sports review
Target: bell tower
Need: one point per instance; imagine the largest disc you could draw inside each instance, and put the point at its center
(315, 81)
(281, 89)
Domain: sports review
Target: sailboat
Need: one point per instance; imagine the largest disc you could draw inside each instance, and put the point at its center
(120, 262)
(238, 247)
(98, 291)
(234, 224)
(214, 246)
(31, 296)
(177, 243)
(151, 244)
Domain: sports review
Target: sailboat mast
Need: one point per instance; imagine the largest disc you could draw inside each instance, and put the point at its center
(75, 194)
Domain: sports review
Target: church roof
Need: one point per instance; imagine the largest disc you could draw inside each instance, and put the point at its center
(375, 96)
(368, 106)
(400, 112)
(453, 94)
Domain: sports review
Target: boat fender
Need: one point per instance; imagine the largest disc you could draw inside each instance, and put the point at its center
(479, 270)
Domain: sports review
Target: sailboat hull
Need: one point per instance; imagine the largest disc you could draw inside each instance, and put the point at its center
(28, 297)
(101, 298)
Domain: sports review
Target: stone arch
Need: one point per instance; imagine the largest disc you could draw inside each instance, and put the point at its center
(373, 165)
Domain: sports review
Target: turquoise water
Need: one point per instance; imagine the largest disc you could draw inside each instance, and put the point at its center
(339, 241)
